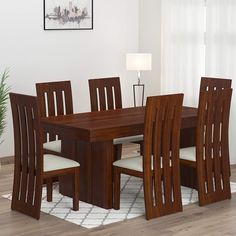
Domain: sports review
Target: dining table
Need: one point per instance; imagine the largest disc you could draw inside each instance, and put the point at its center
(88, 138)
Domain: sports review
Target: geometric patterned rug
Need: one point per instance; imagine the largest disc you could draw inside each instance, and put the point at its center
(90, 216)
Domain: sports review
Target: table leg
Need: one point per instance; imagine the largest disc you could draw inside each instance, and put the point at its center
(95, 172)
(187, 137)
(102, 159)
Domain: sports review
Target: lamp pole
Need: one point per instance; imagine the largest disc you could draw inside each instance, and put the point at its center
(138, 87)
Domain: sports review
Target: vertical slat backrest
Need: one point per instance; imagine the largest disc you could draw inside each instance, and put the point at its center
(209, 84)
(105, 94)
(28, 155)
(54, 98)
(161, 155)
(212, 148)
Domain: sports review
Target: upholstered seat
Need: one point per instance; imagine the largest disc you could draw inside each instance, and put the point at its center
(132, 163)
(53, 162)
(188, 154)
(128, 139)
(54, 146)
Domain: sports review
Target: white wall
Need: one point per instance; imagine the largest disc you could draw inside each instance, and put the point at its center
(35, 55)
(150, 42)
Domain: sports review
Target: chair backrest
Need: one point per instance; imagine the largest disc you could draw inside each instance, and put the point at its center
(212, 150)
(54, 98)
(161, 146)
(208, 84)
(105, 94)
(28, 155)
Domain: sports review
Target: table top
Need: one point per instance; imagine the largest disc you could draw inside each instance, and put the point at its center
(107, 125)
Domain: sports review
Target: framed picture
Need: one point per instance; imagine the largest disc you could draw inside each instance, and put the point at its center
(68, 14)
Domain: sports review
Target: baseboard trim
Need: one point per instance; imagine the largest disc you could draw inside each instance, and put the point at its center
(6, 160)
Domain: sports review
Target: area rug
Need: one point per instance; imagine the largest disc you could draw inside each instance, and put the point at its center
(90, 216)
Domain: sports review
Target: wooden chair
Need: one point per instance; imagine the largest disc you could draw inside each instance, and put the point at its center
(210, 157)
(54, 98)
(159, 166)
(105, 94)
(31, 165)
(188, 170)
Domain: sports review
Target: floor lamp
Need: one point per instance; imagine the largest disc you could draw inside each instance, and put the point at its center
(138, 62)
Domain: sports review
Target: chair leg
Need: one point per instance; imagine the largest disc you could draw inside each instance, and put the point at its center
(116, 176)
(49, 189)
(117, 152)
(141, 147)
(76, 190)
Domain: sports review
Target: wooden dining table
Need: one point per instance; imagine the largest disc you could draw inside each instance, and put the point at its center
(88, 139)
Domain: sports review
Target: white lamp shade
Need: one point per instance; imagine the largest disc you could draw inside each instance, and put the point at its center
(139, 61)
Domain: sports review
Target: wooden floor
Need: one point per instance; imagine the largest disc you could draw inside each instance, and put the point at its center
(215, 219)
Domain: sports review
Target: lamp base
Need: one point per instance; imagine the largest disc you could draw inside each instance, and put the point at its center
(138, 89)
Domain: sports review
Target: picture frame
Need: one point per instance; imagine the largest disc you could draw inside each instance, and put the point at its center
(68, 14)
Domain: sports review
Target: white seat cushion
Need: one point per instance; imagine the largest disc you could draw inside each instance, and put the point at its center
(53, 162)
(128, 139)
(188, 154)
(53, 146)
(132, 163)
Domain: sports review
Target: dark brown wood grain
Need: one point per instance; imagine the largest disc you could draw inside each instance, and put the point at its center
(188, 136)
(28, 170)
(54, 98)
(105, 94)
(161, 172)
(93, 128)
(26, 198)
(106, 125)
(212, 147)
(209, 83)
